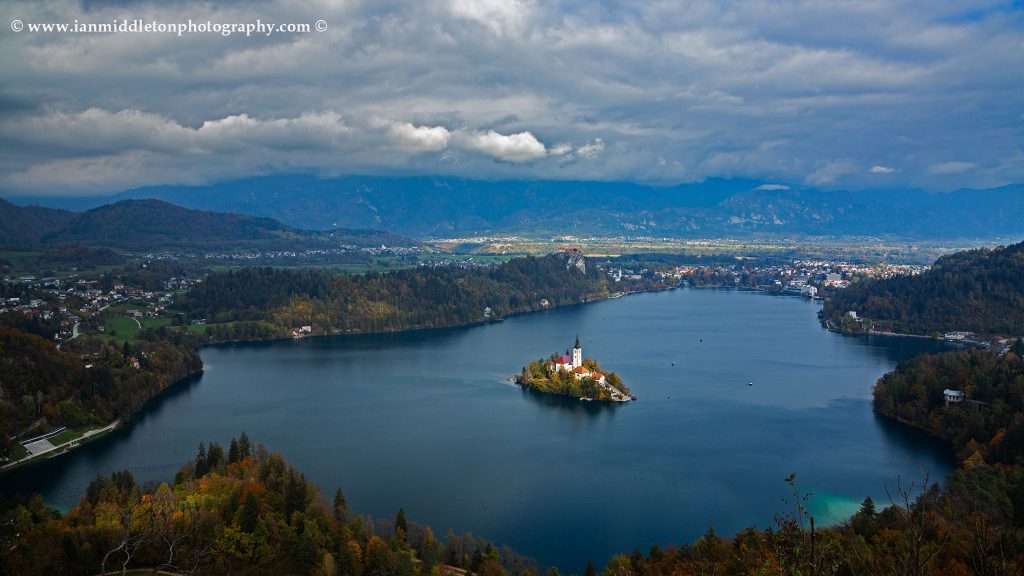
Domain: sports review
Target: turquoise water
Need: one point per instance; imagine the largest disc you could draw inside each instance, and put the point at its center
(736, 391)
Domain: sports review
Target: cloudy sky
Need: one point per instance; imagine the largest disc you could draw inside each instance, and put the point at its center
(843, 94)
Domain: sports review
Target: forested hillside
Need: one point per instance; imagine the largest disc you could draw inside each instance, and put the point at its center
(977, 290)
(158, 225)
(991, 432)
(402, 300)
(22, 227)
(238, 511)
(89, 382)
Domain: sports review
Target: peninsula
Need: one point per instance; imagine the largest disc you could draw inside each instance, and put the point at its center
(574, 376)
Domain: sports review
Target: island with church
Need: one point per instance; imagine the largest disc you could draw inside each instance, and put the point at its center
(573, 376)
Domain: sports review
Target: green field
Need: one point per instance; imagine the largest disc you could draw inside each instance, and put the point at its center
(201, 328)
(127, 328)
(64, 437)
(155, 322)
(23, 262)
(122, 328)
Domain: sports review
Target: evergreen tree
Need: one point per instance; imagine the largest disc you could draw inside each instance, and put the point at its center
(339, 504)
(214, 456)
(202, 464)
(244, 446)
(233, 452)
(867, 508)
(401, 527)
(591, 570)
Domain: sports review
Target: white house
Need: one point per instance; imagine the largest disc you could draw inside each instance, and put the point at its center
(952, 396)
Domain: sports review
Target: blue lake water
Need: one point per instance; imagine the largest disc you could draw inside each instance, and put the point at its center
(736, 391)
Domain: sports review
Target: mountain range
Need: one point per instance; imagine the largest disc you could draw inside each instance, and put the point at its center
(442, 206)
(157, 225)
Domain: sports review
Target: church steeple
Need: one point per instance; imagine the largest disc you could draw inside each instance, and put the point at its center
(577, 354)
(577, 341)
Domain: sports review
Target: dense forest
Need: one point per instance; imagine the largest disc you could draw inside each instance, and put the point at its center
(23, 226)
(88, 382)
(977, 290)
(237, 511)
(988, 427)
(275, 301)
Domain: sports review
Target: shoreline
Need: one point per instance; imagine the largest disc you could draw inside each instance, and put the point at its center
(90, 435)
(589, 300)
(61, 449)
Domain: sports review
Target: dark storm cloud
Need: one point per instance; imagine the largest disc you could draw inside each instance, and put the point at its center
(853, 94)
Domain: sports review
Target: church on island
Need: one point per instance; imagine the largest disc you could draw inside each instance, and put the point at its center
(575, 364)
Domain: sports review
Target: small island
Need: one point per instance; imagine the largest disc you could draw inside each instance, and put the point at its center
(573, 376)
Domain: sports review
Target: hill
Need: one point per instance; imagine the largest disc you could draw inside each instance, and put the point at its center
(259, 303)
(444, 206)
(158, 225)
(23, 226)
(976, 290)
(44, 386)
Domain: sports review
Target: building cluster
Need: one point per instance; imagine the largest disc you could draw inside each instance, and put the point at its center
(574, 365)
(799, 277)
(618, 274)
(71, 300)
(317, 253)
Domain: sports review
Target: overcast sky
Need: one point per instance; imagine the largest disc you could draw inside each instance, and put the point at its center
(846, 94)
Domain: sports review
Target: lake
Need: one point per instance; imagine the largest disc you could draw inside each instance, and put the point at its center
(736, 391)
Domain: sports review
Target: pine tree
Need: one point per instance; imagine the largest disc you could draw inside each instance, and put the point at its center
(590, 571)
(339, 505)
(233, 452)
(867, 508)
(214, 456)
(244, 446)
(202, 467)
(401, 527)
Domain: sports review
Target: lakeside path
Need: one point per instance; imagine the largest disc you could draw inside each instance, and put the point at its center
(41, 448)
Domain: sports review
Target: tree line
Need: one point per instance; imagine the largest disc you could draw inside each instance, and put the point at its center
(280, 300)
(976, 290)
(240, 511)
(87, 382)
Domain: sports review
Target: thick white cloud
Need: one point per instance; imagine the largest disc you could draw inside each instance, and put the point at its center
(421, 138)
(519, 147)
(829, 94)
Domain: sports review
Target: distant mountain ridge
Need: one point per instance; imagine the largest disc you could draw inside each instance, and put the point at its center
(442, 206)
(24, 226)
(158, 225)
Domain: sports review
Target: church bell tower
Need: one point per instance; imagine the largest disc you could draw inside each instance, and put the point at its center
(577, 354)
